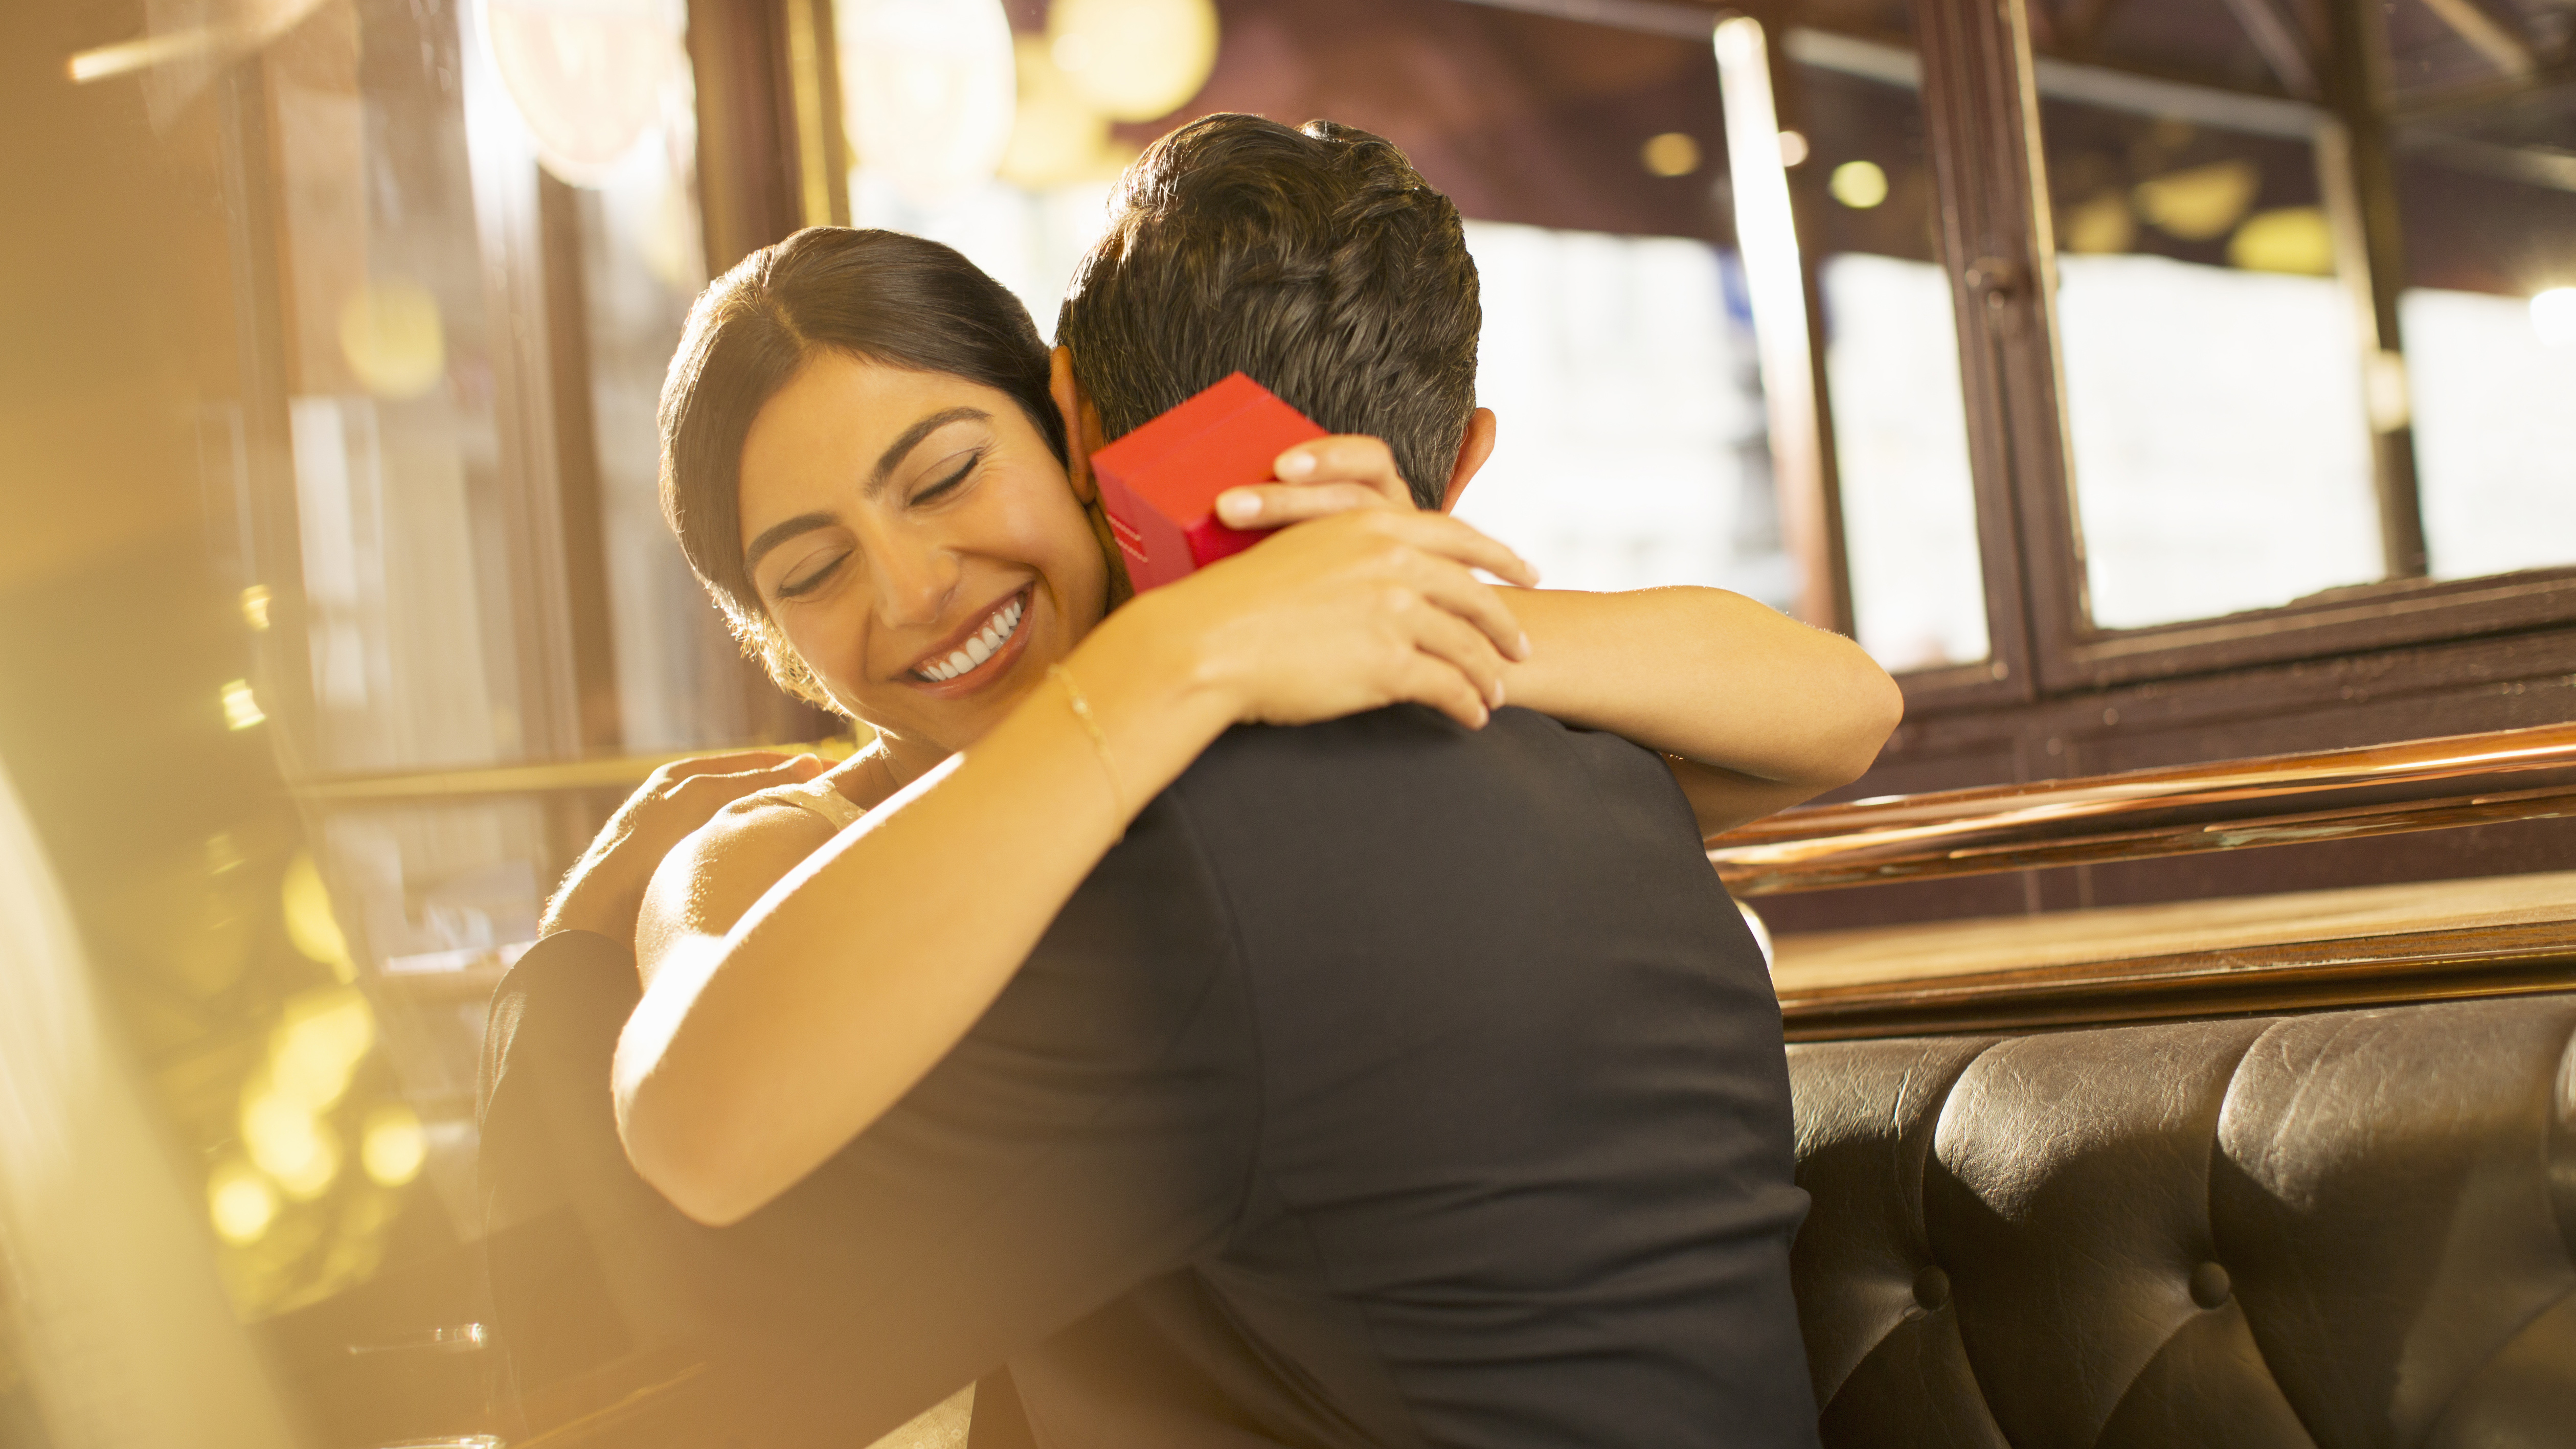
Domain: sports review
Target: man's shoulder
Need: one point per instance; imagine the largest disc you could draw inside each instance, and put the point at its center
(1411, 757)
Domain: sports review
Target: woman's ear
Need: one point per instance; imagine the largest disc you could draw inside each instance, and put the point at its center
(1081, 423)
(1473, 450)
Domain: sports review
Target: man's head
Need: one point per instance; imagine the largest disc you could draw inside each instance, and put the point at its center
(1317, 261)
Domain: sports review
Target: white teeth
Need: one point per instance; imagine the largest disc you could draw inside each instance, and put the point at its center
(998, 630)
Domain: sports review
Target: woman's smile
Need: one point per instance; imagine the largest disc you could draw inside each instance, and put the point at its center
(917, 541)
(990, 645)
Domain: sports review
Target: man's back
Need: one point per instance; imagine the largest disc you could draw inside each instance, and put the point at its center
(1518, 1168)
(1390, 1084)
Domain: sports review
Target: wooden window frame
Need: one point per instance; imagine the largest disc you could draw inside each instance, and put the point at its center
(764, 79)
(1980, 96)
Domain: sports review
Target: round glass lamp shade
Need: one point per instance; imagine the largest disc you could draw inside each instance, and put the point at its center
(585, 76)
(1137, 60)
(928, 88)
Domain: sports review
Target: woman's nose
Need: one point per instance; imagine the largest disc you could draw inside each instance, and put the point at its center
(915, 579)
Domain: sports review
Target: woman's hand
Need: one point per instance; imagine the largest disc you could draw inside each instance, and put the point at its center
(1364, 608)
(605, 888)
(1319, 478)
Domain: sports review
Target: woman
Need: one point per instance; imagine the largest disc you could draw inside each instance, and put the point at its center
(866, 458)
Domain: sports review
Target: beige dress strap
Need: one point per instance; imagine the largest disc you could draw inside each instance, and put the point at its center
(818, 796)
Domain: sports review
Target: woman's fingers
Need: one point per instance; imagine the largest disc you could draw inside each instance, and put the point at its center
(708, 791)
(1463, 647)
(1465, 597)
(1428, 679)
(1276, 505)
(1464, 542)
(1346, 458)
(726, 764)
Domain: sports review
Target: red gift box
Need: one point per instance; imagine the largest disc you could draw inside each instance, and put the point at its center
(1159, 483)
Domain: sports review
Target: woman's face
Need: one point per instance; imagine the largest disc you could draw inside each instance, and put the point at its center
(918, 542)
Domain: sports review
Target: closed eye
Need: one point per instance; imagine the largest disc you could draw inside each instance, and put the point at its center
(812, 579)
(948, 485)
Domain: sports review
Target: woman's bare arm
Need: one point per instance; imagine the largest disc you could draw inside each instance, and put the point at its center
(765, 1043)
(1761, 710)
(1754, 711)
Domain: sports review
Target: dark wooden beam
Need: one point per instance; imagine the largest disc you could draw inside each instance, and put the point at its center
(2358, 176)
(1980, 114)
(577, 483)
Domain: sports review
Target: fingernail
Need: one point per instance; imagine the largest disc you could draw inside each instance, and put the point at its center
(1295, 465)
(1525, 644)
(1498, 694)
(1238, 506)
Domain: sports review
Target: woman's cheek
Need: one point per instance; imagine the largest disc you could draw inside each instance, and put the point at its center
(833, 650)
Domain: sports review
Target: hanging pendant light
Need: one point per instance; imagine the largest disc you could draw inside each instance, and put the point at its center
(927, 90)
(585, 76)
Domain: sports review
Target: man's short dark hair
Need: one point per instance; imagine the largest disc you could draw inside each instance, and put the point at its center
(1316, 260)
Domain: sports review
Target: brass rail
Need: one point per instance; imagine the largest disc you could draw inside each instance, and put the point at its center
(2279, 800)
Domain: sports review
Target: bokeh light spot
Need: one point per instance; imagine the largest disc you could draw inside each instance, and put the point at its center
(392, 340)
(392, 1146)
(1136, 60)
(929, 90)
(288, 1142)
(241, 1201)
(2202, 203)
(324, 1037)
(241, 707)
(1674, 153)
(1057, 135)
(2292, 239)
(309, 922)
(586, 79)
(2099, 227)
(1859, 185)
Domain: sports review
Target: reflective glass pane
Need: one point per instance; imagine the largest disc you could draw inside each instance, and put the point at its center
(2486, 179)
(1632, 448)
(2213, 378)
(1891, 358)
(2228, 364)
(420, 251)
(680, 675)
(1588, 159)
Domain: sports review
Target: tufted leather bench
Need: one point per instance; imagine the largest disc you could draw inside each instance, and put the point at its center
(2354, 1228)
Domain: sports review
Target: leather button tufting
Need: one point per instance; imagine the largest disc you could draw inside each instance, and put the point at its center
(2209, 1285)
(1932, 1288)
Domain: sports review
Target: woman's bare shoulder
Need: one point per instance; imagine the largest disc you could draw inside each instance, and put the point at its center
(715, 876)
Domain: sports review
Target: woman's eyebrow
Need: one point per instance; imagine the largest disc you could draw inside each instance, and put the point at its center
(778, 533)
(911, 438)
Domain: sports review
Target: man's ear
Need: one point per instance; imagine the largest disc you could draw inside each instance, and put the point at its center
(1473, 450)
(1081, 423)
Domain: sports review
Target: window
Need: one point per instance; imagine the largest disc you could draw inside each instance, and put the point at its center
(1891, 346)
(1618, 348)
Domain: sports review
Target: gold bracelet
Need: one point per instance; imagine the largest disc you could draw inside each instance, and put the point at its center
(1099, 740)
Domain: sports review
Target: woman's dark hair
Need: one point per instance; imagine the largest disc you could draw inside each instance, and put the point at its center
(880, 296)
(1315, 259)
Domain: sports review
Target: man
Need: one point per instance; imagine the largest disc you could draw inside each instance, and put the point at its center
(1390, 1084)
